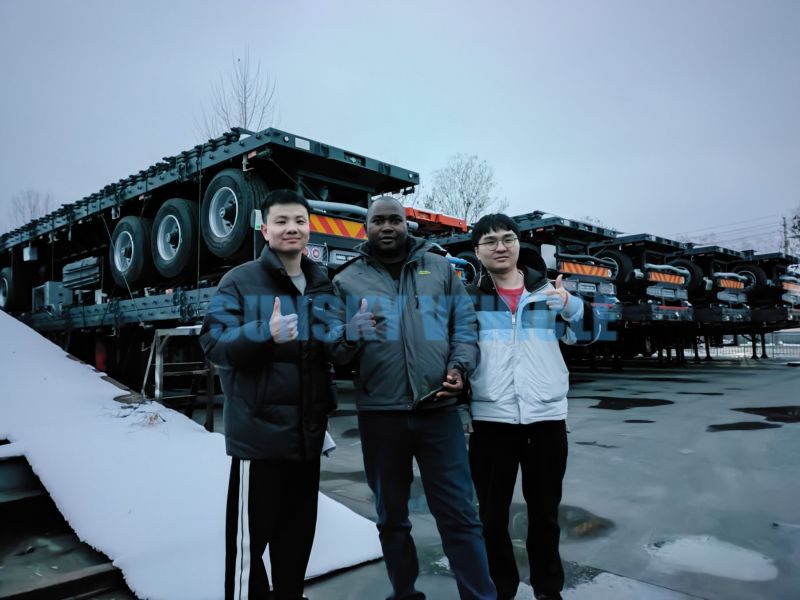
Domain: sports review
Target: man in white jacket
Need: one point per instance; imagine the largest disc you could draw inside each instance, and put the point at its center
(519, 403)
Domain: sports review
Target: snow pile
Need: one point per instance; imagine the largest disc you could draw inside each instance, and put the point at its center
(707, 554)
(141, 483)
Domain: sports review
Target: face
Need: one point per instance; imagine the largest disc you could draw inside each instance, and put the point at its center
(504, 257)
(386, 228)
(287, 228)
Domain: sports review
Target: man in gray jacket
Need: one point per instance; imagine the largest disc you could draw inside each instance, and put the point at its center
(411, 333)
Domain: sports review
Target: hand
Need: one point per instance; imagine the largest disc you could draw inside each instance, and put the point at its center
(362, 325)
(557, 298)
(452, 384)
(283, 328)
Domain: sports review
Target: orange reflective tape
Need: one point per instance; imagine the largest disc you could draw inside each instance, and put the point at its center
(580, 269)
(664, 277)
(791, 287)
(337, 227)
(731, 284)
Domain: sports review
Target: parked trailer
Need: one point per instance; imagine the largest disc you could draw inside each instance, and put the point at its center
(773, 288)
(715, 290)
(123, 277)
(654, 294)
(101, 274)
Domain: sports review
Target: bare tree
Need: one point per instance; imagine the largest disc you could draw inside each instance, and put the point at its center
(28, 205)
(464, 188)
(793, 233)
(241, 98)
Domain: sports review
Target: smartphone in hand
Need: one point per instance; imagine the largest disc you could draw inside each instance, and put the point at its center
(428, 398)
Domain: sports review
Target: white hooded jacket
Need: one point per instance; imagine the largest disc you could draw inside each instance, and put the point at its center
(521, 377)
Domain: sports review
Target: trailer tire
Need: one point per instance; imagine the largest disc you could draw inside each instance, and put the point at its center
(695, 283)
(469, 256)
(529, 256)
(12, 291)
(757, 277)
(624, 264)
(227, 207)
(173, 239)
(129, 254)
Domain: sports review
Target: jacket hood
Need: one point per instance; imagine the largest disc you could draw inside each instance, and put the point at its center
(533, 279)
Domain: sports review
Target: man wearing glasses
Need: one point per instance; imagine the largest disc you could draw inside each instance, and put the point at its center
(519, 404)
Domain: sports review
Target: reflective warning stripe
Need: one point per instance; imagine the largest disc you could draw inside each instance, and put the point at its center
(579, 269)
(791, 287)
(665, 277)
(338, 227)
(731, 284)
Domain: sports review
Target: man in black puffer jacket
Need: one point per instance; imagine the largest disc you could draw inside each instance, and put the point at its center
(278, 393)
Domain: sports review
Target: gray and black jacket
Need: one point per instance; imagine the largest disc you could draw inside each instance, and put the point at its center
(426, 325)
(277, 396)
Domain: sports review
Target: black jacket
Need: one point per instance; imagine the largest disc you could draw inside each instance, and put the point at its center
(277, 396)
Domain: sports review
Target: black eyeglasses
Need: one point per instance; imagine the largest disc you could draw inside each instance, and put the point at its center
(508, 241)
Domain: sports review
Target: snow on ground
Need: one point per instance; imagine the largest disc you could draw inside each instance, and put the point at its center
(707, 554)
(607, 586)
(11, 450)
(141, 483)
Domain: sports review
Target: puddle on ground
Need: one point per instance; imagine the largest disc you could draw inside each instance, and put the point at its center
(638, 421)
(596, 444)
(706, 554)
(775, 414)
(349, 433)
(701, 393)
(620, 403)
(742, 426)
(356, 476)
(604, 390)
(738, 389)
(576, 523)
(673, 379)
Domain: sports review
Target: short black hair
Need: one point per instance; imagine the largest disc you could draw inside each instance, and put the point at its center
(282, 197)
(493, 222)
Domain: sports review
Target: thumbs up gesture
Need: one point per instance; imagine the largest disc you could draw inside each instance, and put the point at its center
(282, 327)
(558, 297)
(362, 325)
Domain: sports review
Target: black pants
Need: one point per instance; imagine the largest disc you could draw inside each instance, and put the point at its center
(496, 451)
(275, 503)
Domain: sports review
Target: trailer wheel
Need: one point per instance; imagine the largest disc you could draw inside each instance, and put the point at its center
(756, 276)
(129, 254)
(228, 204)
(623, 261)
(695, 282)
(12, 294)
(469, 256)
(530, 256)
(173, 240)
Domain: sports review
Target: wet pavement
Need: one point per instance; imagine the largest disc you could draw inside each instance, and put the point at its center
(673, 484)
(682, 482)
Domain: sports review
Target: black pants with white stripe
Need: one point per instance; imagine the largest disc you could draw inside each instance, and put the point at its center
(271, 503)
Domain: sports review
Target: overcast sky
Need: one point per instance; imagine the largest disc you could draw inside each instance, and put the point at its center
(662, 117)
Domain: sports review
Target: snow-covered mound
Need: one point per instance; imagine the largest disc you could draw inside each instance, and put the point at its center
(141, 483)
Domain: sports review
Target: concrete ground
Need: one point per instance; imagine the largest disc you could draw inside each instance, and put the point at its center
(681, 482)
